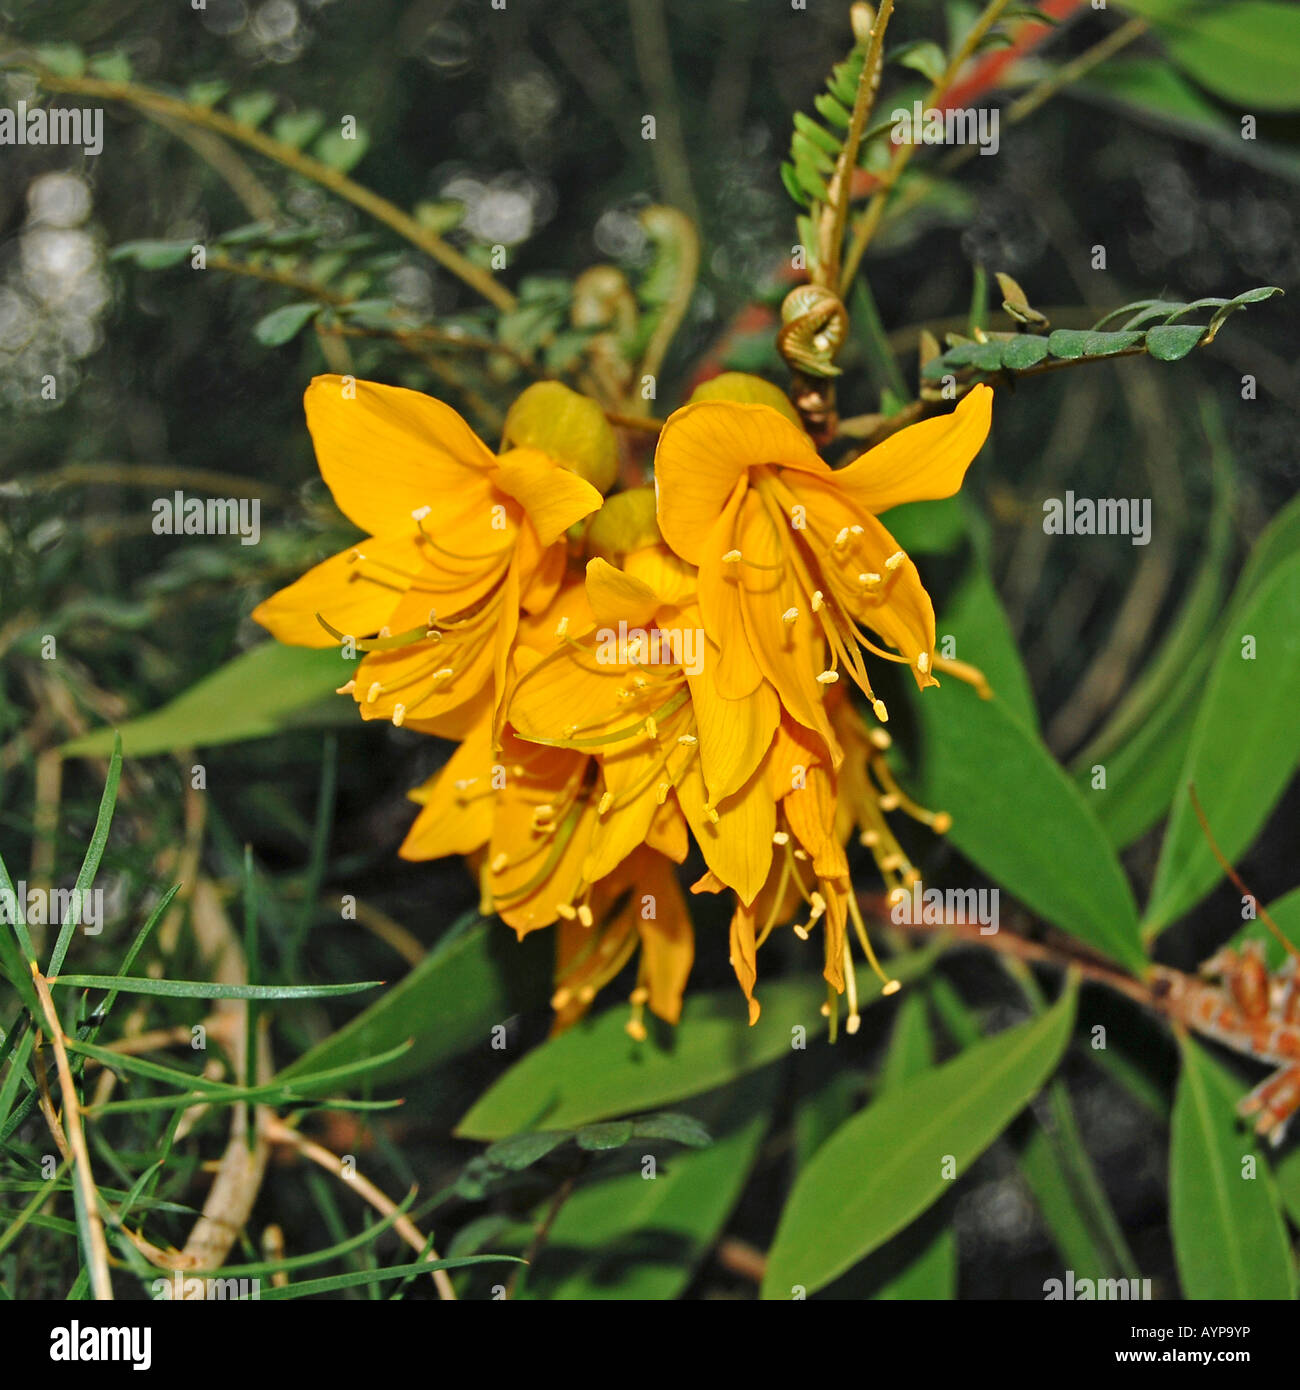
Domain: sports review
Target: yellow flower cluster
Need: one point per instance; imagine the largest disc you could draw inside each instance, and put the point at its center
(624, 674)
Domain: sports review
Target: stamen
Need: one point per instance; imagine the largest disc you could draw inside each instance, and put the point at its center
(732, 557)
(687, 740)
(373, 693)
(584, 915)
(895, 560)
(651, 728)
(923, 662)
(568, 912)
(790, 615)
(605, 803)
(781, 837)
(347, 688)
(879, 710)
(828, 677)
(399, 714)
(562, 627)
(817, 600)
(499, 861)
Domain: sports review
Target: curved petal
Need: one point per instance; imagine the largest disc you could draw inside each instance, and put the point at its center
(457, 802)
(737, 845)
(352, 596)
(738, 674)
(923, 461)
(615, 595)
(385, 452)
(553, 497)
(734, 735)
(703, 450)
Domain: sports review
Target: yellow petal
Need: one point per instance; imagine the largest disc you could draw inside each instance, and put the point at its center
(668, 833)
(553, 497)
(703, 450)
(810, 811)
(352, 596)
(738, 673)
(744, 956)
(615, 595)
(738, 845)
(734, 734)
(667, 939)
(386, 452)
(790, 655)
(923, 461)
(455, 819)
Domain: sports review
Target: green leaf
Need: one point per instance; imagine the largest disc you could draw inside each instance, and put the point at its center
(929, 1270)
(921, 55)
(265, 690)
(1024, 350)
(341, 152)
(282, 324)
(631, 1238)
(62, 59)
(252, 108)
(1248, 52)
(206, 989)
(886, 1165)
(1244, 747)
(114, 66)
(1013, 807)
(296, 128)
(474, 980)
(1073, 343)
(595, 1071)
(1229, 1236)
(1170, 342)
(152, 255)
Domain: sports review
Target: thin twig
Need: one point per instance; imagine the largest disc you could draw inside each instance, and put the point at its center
(280, 1133)
(100, 1281)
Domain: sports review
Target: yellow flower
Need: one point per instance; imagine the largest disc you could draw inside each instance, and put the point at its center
(459, 540)
(793, 563)
(639, 904)
(638, 687)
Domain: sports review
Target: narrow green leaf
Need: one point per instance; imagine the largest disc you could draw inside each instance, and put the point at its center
(887, 1164)
(270, 688)
(627, 1237)
(1229, 1236)
(1244, 747)
(1013, 806)
(595, 1071)
(479, 978)
(206, 989)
